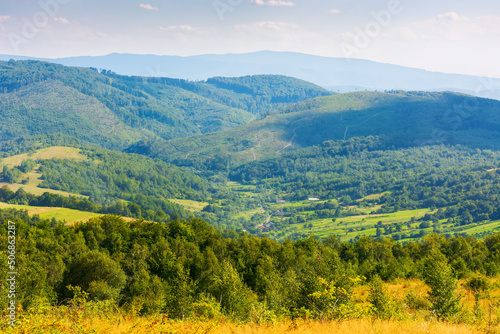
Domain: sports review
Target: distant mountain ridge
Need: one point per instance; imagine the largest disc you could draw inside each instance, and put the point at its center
(337, 74)
(41, 98)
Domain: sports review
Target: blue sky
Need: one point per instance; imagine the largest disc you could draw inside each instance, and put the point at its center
(448, 36)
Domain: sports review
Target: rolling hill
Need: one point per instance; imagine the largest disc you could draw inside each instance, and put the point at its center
(39, 98)
(404, 119)
(397, 163)
(101, 179)
(337, 74)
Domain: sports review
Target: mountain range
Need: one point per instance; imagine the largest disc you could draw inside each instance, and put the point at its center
(116, 111)
(401, 119)
(225, 149)
(336, 74)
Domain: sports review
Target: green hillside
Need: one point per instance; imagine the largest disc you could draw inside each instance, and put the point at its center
(257, 94)
(261, 94)
(361, 187)
(190, 270)
(52, 107)
(369, 155)
(98, 180)
(38, 98)
(403, 119)
(399, 164)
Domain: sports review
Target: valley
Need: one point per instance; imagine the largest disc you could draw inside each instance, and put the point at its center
(258, 197)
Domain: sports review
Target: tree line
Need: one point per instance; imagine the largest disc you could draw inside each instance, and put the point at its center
(188, 268)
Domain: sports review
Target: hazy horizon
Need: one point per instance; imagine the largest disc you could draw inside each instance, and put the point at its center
(447, 36)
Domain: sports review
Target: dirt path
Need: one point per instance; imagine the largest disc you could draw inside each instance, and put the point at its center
(290, 143)
(345, 133)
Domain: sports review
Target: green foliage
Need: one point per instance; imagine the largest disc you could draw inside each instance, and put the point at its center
(131, 108)
(97, 274)
(416, 302)
(117, 183)
(207, 308)
(438, 275)
(79, 298)
(233, 295)
(400, 120)
(187, 269)
(261, 94)
(461, 183)
(109, 176)
(333, 301)
(479, 286)
(383, 306)
(10, 175)
(27, 165)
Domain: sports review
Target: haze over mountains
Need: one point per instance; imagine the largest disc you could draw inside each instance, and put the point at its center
(337, 74)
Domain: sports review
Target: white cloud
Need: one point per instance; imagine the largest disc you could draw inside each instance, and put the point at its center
(148, 7)
(408, 34)
(279, 3)
(492, 23)
(186, 33)
(184, 28)
(451, 27)
(335, 11)
(61, 20)
(3, 18)
(264, 26)
(453, 17)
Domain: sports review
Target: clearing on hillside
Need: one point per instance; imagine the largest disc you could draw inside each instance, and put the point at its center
(59, 152)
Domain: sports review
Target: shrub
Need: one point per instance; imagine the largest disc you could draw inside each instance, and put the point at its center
(416, 302)
(438, 275)
(382, 304)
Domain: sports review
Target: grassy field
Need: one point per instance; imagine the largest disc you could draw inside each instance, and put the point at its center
(249, 213)
(102, 317)
(399, 224)
(493, 226)
(189, 205)
(116, 324)
(62, 214)
(59, 152)
(367, 223)
(32, 186)
(248, 191)
(374, 196)
(32, 179)
(348, 227)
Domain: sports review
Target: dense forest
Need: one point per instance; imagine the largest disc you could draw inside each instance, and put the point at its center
(108, 177)
(44, 98)
(254, 198)
(398, 119)
(459, 184)
(164, 209)
(129, 185)
(257, 94)
(428, 176)
(187, 268)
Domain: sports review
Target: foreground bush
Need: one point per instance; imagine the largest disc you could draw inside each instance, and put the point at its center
(187, 270)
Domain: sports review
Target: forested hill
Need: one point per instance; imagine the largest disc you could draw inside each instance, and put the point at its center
(257, 94)
(404, 119)
(116, 111)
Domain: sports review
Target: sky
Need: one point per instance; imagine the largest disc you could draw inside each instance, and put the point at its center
(451, 36)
